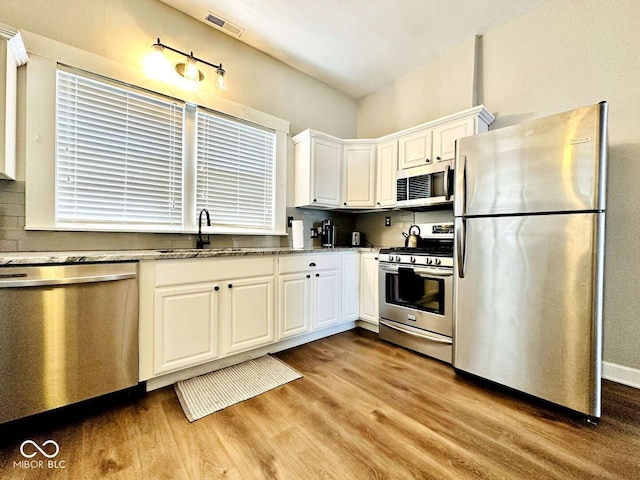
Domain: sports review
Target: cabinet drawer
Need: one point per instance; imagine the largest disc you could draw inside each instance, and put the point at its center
(303, 263)
(196, 270)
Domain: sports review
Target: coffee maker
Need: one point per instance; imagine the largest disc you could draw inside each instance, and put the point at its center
(328, 234)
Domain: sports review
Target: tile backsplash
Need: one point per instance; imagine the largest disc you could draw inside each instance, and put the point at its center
(13, 236)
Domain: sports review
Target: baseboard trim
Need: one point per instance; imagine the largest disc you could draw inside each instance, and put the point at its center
(620, 374)
(173, 377)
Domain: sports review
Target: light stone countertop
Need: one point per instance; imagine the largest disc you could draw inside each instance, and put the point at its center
(44, 258)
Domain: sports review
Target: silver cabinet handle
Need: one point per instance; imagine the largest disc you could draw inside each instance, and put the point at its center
(40, 282)
(420, 335)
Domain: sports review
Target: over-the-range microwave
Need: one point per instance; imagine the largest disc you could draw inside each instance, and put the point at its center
(425, 186)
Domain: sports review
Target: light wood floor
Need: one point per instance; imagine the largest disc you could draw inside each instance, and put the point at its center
(364, 409)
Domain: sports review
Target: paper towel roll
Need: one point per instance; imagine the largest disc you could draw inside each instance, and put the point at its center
(297, 239)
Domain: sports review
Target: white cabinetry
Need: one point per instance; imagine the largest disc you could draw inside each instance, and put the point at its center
(350, 286)
(247, 313)
(317, 170)
(369, 287)
(204, 309)
(295, 304)
(359, 175)
(332, 173)
(414, 149)
(445, 136)
(186, 326)
(387, 166)
(434, 141)
(317, 278)
(12, 55)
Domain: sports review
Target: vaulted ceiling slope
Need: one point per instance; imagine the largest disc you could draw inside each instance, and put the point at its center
(357, 46)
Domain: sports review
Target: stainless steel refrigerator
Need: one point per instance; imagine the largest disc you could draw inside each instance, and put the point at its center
(529, 255)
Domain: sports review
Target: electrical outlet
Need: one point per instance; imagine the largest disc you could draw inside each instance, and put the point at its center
(289, 220)
(387, 221)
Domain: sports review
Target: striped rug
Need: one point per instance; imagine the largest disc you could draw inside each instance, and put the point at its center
(203, 395)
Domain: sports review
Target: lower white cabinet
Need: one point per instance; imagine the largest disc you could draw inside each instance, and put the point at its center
(194, 311)
(309, 295)
(204, 309)
(350, 286)
(247, 313)
(186, 324)
(295, 304)
(369, 287)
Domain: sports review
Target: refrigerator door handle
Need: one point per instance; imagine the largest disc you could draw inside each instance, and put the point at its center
(461, 244)
(464, 187)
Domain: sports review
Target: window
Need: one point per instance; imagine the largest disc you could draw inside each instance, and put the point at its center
(119, 156)
(110, 156)
(235, 172)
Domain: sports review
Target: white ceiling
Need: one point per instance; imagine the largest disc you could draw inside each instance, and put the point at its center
(357, 46)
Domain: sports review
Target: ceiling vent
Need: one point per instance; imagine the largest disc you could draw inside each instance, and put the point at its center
(222, 24)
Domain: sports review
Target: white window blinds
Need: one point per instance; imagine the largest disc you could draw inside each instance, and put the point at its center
(235, 172)
(119, 155)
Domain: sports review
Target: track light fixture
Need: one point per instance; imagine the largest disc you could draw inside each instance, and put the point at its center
(188, 68)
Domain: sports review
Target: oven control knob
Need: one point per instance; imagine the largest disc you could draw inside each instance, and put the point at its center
(438, 261)
(412, 259)
(429, 261)
(397, 258)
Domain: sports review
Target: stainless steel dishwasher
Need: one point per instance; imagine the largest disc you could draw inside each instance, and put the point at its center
(67, 333)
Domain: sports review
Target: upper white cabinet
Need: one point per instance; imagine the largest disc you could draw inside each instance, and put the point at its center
(359, 175)
(334, 173)
(436, 141)
(12, 55)
(387, 165)
(318, 161)
(414, 149)
(445, 136)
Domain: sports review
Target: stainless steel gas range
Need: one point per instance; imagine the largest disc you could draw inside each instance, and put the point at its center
(416, 299)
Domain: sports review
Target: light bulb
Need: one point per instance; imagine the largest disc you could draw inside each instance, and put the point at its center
(156, 64)
(220, 83)
(191, 71)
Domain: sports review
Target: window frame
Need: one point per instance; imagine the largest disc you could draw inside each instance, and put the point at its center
(41, 151)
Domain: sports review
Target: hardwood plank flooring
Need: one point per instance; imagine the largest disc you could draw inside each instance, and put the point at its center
(365, 409)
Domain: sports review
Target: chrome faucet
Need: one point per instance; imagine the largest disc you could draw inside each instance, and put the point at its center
(201, 242)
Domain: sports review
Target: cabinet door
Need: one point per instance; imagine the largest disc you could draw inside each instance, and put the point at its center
(326, 156)
(247, 321)
(445, 136)
(414, 150)
(369, 288)
(350, 286)
(186, 327)
(326, 302)
(295, 304)
(359, 176)
(387, 166)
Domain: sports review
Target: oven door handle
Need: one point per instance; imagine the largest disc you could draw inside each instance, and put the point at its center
(424, 272)
(420, 335)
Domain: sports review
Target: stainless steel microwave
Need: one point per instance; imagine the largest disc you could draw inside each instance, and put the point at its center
(425, 186)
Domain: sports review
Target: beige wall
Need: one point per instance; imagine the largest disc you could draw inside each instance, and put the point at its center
(123, 30)
(562, 55)
(443, 86)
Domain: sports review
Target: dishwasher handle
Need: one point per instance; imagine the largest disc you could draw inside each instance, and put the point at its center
(45, 282)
